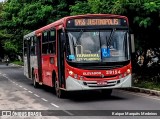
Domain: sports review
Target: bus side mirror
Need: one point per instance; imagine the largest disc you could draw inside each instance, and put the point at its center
(132, 43)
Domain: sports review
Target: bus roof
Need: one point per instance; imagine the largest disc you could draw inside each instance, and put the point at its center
(63, 20)
(28, 35)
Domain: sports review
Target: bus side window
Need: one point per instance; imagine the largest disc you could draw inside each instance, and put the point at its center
(32, 46)
(35, 44)
(45, 37)
(25, 47)
(45, 43)
(52, 42)
(25, 51)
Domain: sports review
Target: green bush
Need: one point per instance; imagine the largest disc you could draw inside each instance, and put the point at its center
(18, 62)
(148, 85)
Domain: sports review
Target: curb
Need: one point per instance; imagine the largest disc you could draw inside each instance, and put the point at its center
(143, 90)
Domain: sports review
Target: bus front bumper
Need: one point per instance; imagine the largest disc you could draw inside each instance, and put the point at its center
(77, 85)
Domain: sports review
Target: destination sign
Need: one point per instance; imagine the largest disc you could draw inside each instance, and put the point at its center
(96, 22)
(88, 22)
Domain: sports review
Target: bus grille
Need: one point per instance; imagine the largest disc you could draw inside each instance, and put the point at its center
(94, 83)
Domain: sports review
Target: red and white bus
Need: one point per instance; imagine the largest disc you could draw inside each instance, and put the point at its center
(83, 52)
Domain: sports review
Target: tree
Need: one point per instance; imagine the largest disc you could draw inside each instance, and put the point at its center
(19, 17)
(143, 16)
(80, 8)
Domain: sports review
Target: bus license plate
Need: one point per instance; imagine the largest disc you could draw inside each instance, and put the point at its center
(101, 83)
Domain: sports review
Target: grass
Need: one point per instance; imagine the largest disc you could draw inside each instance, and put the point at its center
(18, 62)
(148, 84)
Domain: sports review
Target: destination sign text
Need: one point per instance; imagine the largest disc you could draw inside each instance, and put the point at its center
(96, 22)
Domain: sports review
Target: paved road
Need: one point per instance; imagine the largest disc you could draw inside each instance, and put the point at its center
(22, 92)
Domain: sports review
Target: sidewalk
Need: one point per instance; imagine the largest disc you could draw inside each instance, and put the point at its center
(143, 90)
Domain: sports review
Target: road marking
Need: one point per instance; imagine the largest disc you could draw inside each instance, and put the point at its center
(20, 86)
(55, 105)
(30, 91)
(44, 99)
(36, 95)
(4, 75)
(25, 89)
(68, 112)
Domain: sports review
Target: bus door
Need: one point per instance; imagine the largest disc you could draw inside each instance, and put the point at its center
(60, 58)
(39, 57)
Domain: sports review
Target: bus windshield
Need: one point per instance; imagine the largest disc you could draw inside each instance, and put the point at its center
(98, 46)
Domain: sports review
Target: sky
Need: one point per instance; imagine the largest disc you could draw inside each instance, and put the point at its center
(1, 0)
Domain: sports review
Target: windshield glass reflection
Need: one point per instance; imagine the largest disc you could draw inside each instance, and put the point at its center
(98, 46)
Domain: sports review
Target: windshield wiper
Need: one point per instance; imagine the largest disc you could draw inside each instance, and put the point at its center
(108, 41)
(125, 45)
(73, 42)
(79, 36)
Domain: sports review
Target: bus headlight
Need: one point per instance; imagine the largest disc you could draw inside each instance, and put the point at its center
(128, 71)
(70, 72)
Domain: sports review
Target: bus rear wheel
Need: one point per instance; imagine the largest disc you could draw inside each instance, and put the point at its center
(60, 93)
(35, 84)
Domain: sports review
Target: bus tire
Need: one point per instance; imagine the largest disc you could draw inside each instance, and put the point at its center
(59, 92)
(35, 84)
(106, 92)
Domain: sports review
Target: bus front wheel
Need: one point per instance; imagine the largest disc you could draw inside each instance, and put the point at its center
(60, 93)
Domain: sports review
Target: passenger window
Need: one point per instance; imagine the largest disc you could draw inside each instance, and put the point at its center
(45, 43)
(49, 42)
(45, 48)
(45, 37)
(52, 36)
(32, 45)
(52, 42)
